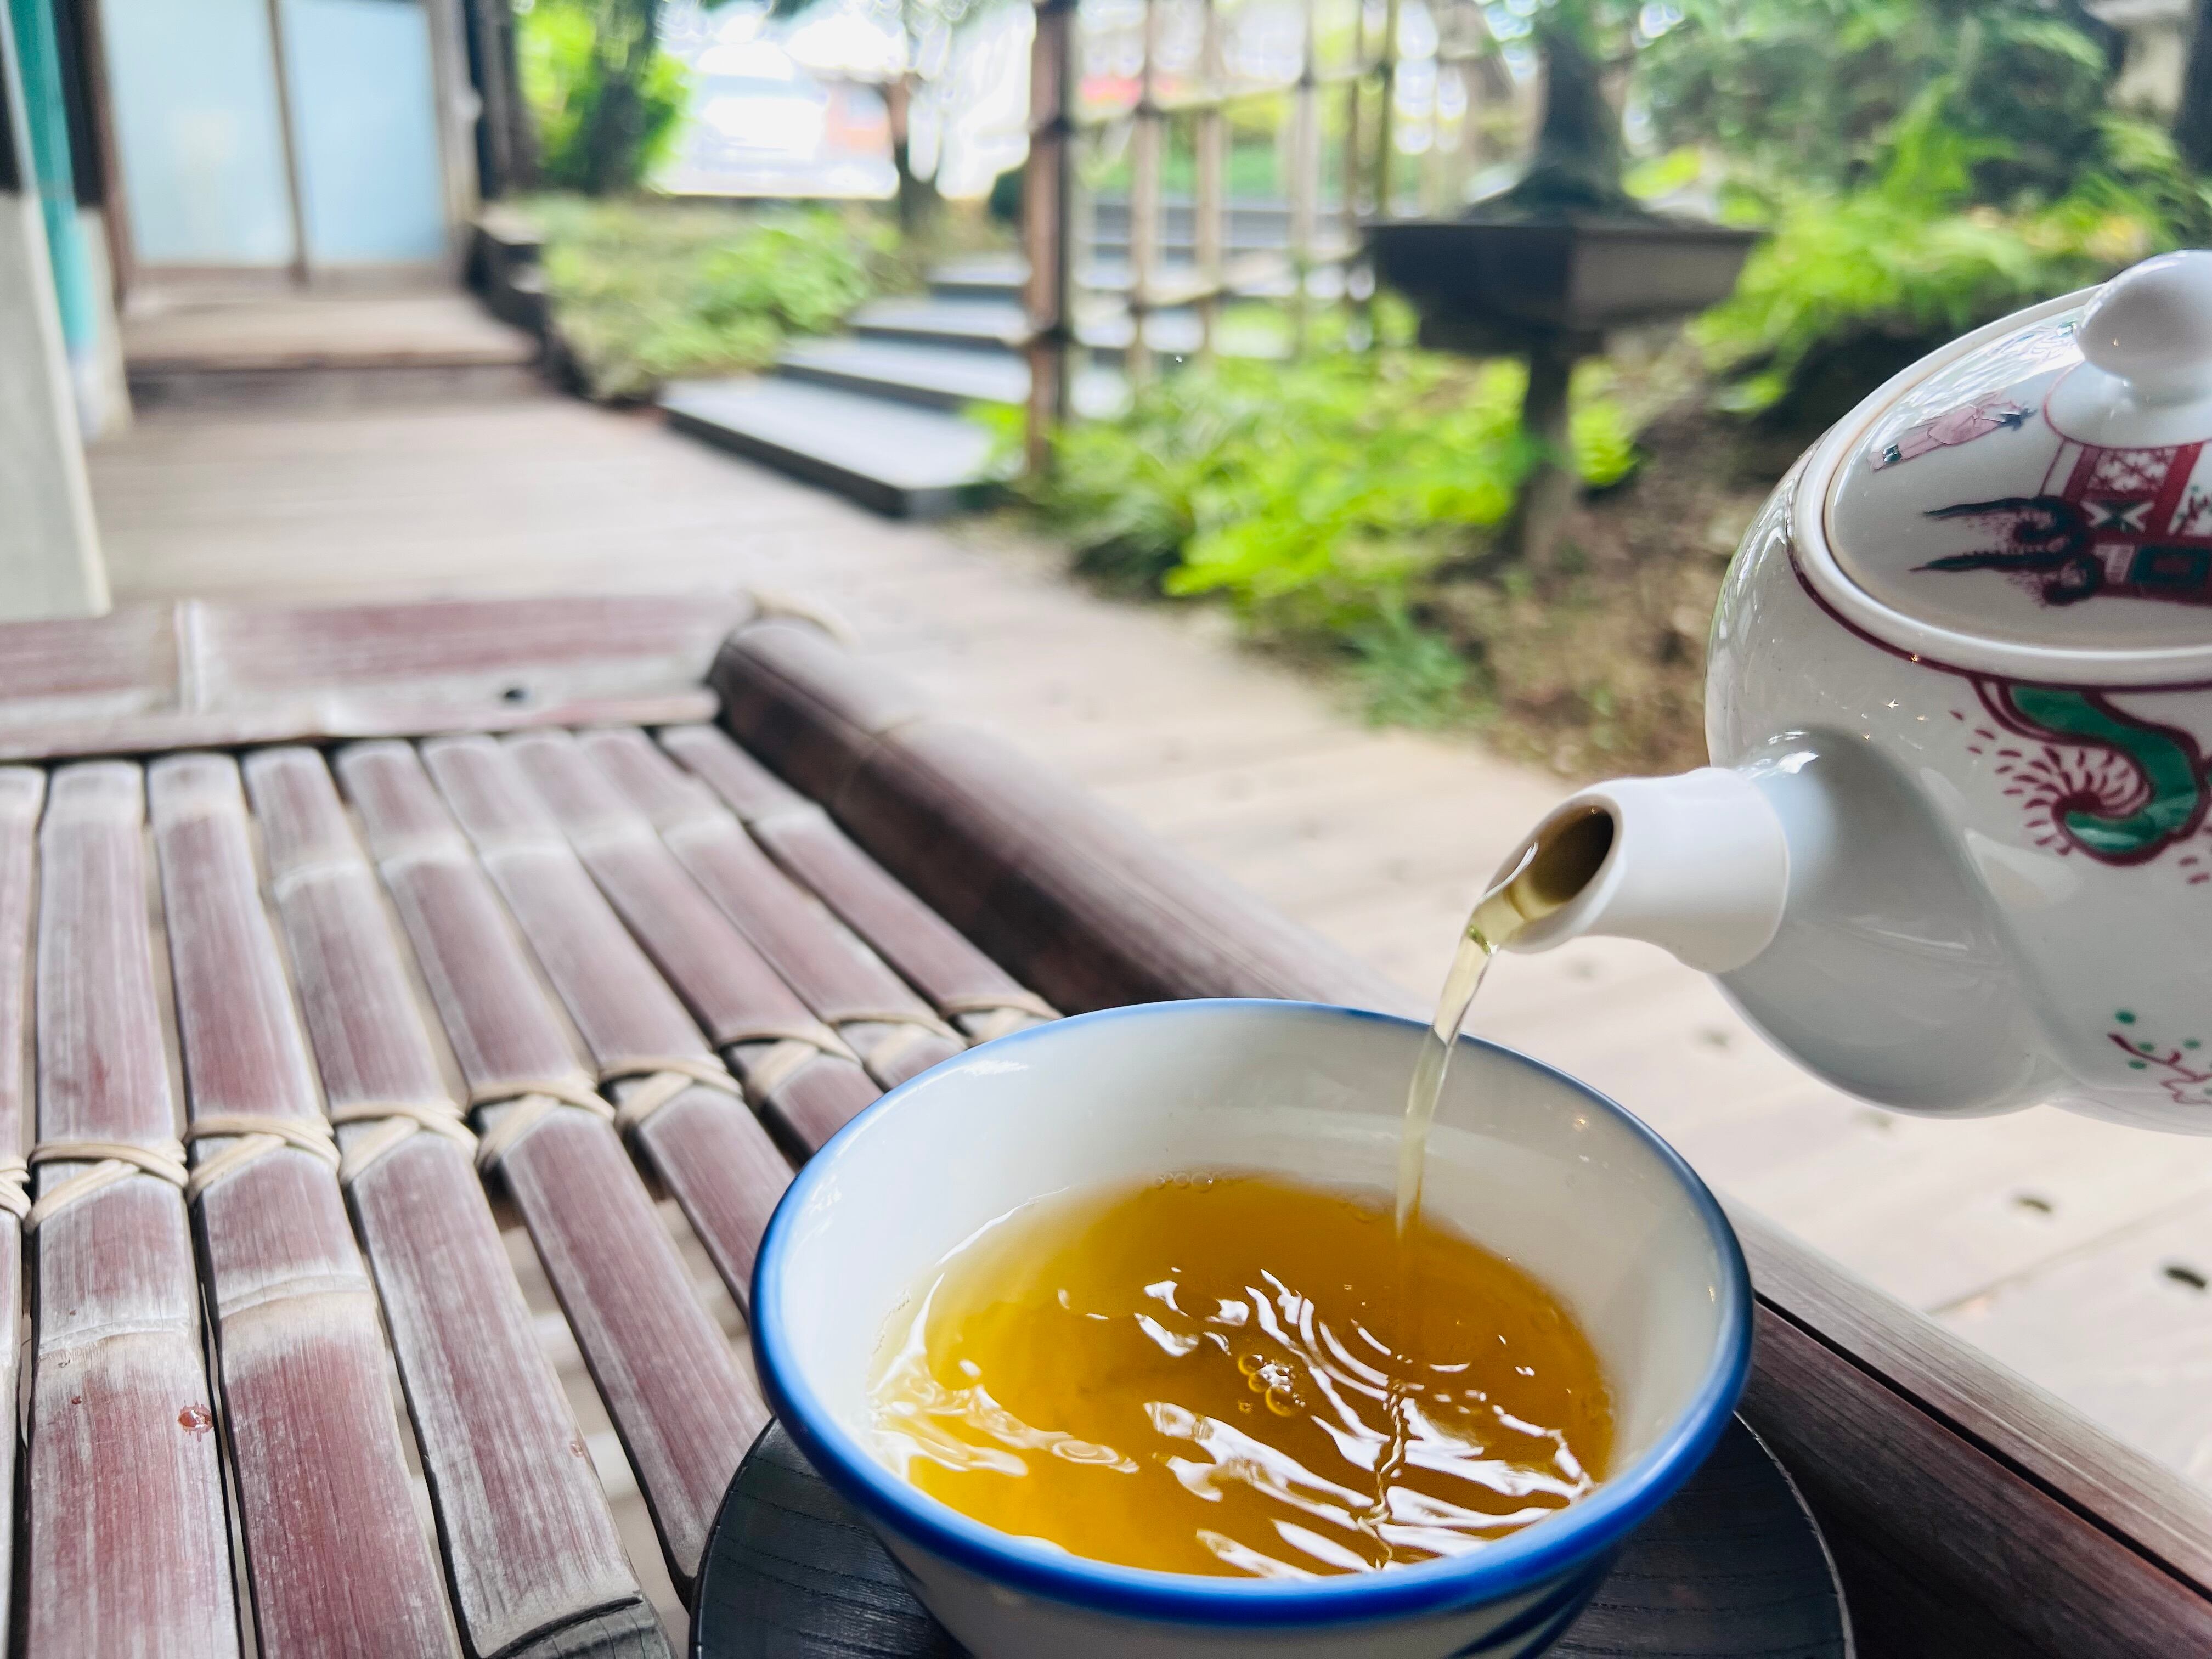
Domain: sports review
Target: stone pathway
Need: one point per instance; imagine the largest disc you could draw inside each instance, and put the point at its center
(2079, 1252)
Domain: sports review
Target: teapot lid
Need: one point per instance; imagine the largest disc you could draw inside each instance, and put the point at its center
(2035, 500)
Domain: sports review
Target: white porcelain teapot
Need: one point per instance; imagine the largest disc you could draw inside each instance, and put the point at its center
(1953, 853)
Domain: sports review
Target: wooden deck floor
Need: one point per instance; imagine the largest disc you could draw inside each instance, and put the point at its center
(2077, 1251)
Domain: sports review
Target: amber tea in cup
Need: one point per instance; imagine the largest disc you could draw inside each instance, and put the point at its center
(1239, 1374)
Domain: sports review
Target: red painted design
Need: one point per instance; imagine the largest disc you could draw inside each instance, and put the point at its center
(2125, 524)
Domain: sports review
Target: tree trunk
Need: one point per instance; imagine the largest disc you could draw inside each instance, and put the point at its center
(628, 36)
(916, 197)
(2192, 119)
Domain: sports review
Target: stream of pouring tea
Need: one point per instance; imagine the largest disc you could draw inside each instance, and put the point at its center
(1554, 868)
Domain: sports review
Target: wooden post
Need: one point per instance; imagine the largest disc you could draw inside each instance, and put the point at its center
(1147, 141)
(1047, 224)
(1209, 208)
(49, 563)
(1549, 489)
(1386, 106)
(1305, 178)
(1356, 308)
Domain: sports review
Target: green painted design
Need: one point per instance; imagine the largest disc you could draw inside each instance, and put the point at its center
(2126, 1017)
(2166, 762)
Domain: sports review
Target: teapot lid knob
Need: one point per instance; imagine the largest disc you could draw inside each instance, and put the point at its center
(2151, 328)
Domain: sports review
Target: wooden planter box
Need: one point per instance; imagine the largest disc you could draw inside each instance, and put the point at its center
(1970, 1514)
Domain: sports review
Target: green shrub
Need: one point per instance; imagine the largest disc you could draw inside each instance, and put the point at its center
(1314, 496)
(568, 52)
(644, 291)
(1813, 90)
(1897, 267)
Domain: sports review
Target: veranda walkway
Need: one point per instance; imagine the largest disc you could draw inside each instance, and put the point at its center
(2078, 1252)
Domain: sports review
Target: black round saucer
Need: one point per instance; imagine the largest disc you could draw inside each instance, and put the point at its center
(1731, 1568)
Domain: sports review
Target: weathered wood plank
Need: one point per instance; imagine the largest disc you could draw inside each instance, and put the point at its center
(325, 719)
(612, 789)
(537, 1568)
(708, 1149)
(524, 649)
(961, 982)
(336, 1559)
(22, 791)
(684, 1408)
(127, 1549)
(1925, 1523)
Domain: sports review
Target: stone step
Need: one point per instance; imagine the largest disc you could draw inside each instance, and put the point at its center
(1002, 276)
(938, 377)
(998, 326)
(968, 325)
(899, 460)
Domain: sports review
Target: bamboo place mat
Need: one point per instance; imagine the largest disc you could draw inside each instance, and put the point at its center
(329, 1049)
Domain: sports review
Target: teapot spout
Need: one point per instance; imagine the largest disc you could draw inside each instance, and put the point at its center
(1698, 864)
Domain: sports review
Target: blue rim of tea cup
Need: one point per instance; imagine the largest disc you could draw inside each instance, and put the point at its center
(1561, 1547)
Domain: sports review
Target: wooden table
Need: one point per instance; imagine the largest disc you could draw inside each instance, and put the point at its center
(528, 910)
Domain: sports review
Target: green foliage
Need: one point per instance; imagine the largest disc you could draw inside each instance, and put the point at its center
(1924, 166)
(1409, 675)
(1905, 263)
(1316, 496)
(644, 291)
(1815, 90)
(573, 57)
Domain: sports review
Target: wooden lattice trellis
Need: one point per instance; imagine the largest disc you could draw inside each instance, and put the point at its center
(1321, 233)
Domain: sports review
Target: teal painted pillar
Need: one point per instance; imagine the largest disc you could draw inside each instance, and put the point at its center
(39, 61)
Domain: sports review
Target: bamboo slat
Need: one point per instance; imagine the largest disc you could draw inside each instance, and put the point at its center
(613, 790)
(708, 1150)
(22, 790)
(684, 1408)
(962, 983)
(536, 1566)
(1124, 919)
(127, 1551)
(336, 1559)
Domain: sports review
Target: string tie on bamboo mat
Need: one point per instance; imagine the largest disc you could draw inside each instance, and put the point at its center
(533, 1103)
(796, 1047)
(257, 1137)
(996, 1012)
(111, 1161)
(991, 1002)
(918, 1018)
(665, 1079)
(401, 1120)
(773, 603)
(14, 1173)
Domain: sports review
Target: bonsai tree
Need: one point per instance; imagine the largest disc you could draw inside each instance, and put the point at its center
(1577, 163)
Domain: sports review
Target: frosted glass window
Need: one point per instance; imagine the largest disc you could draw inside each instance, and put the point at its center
(364, 117)
(194, 85)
